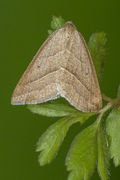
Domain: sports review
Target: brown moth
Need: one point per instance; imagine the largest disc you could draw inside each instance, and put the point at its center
(62, 67)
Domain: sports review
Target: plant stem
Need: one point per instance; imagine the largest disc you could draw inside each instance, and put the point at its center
(106, 98)
(104, 109)
(112, 102)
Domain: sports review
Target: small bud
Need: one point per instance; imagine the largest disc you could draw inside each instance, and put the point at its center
(57, 22)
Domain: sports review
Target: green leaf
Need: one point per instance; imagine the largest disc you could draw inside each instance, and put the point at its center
(81, 158)
(98, 52)
(54, 109)
(56, 23)
(82, 117)
(113, 132)
(103, 154)
(51, 140)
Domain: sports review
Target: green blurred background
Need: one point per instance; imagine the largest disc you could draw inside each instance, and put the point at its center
(23, 29)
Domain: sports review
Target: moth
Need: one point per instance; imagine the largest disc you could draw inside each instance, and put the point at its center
(62, 67)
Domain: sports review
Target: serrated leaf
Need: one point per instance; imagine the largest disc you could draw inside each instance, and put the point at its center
(51, 140)
(54, 109)
(57, 22)
(98, 52)
(113, 132)
(103, 154)
(81, 158)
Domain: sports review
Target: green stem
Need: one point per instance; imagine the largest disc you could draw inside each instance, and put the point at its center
(115, 102)
(112, 102)
(106, 98)
(103, 110)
